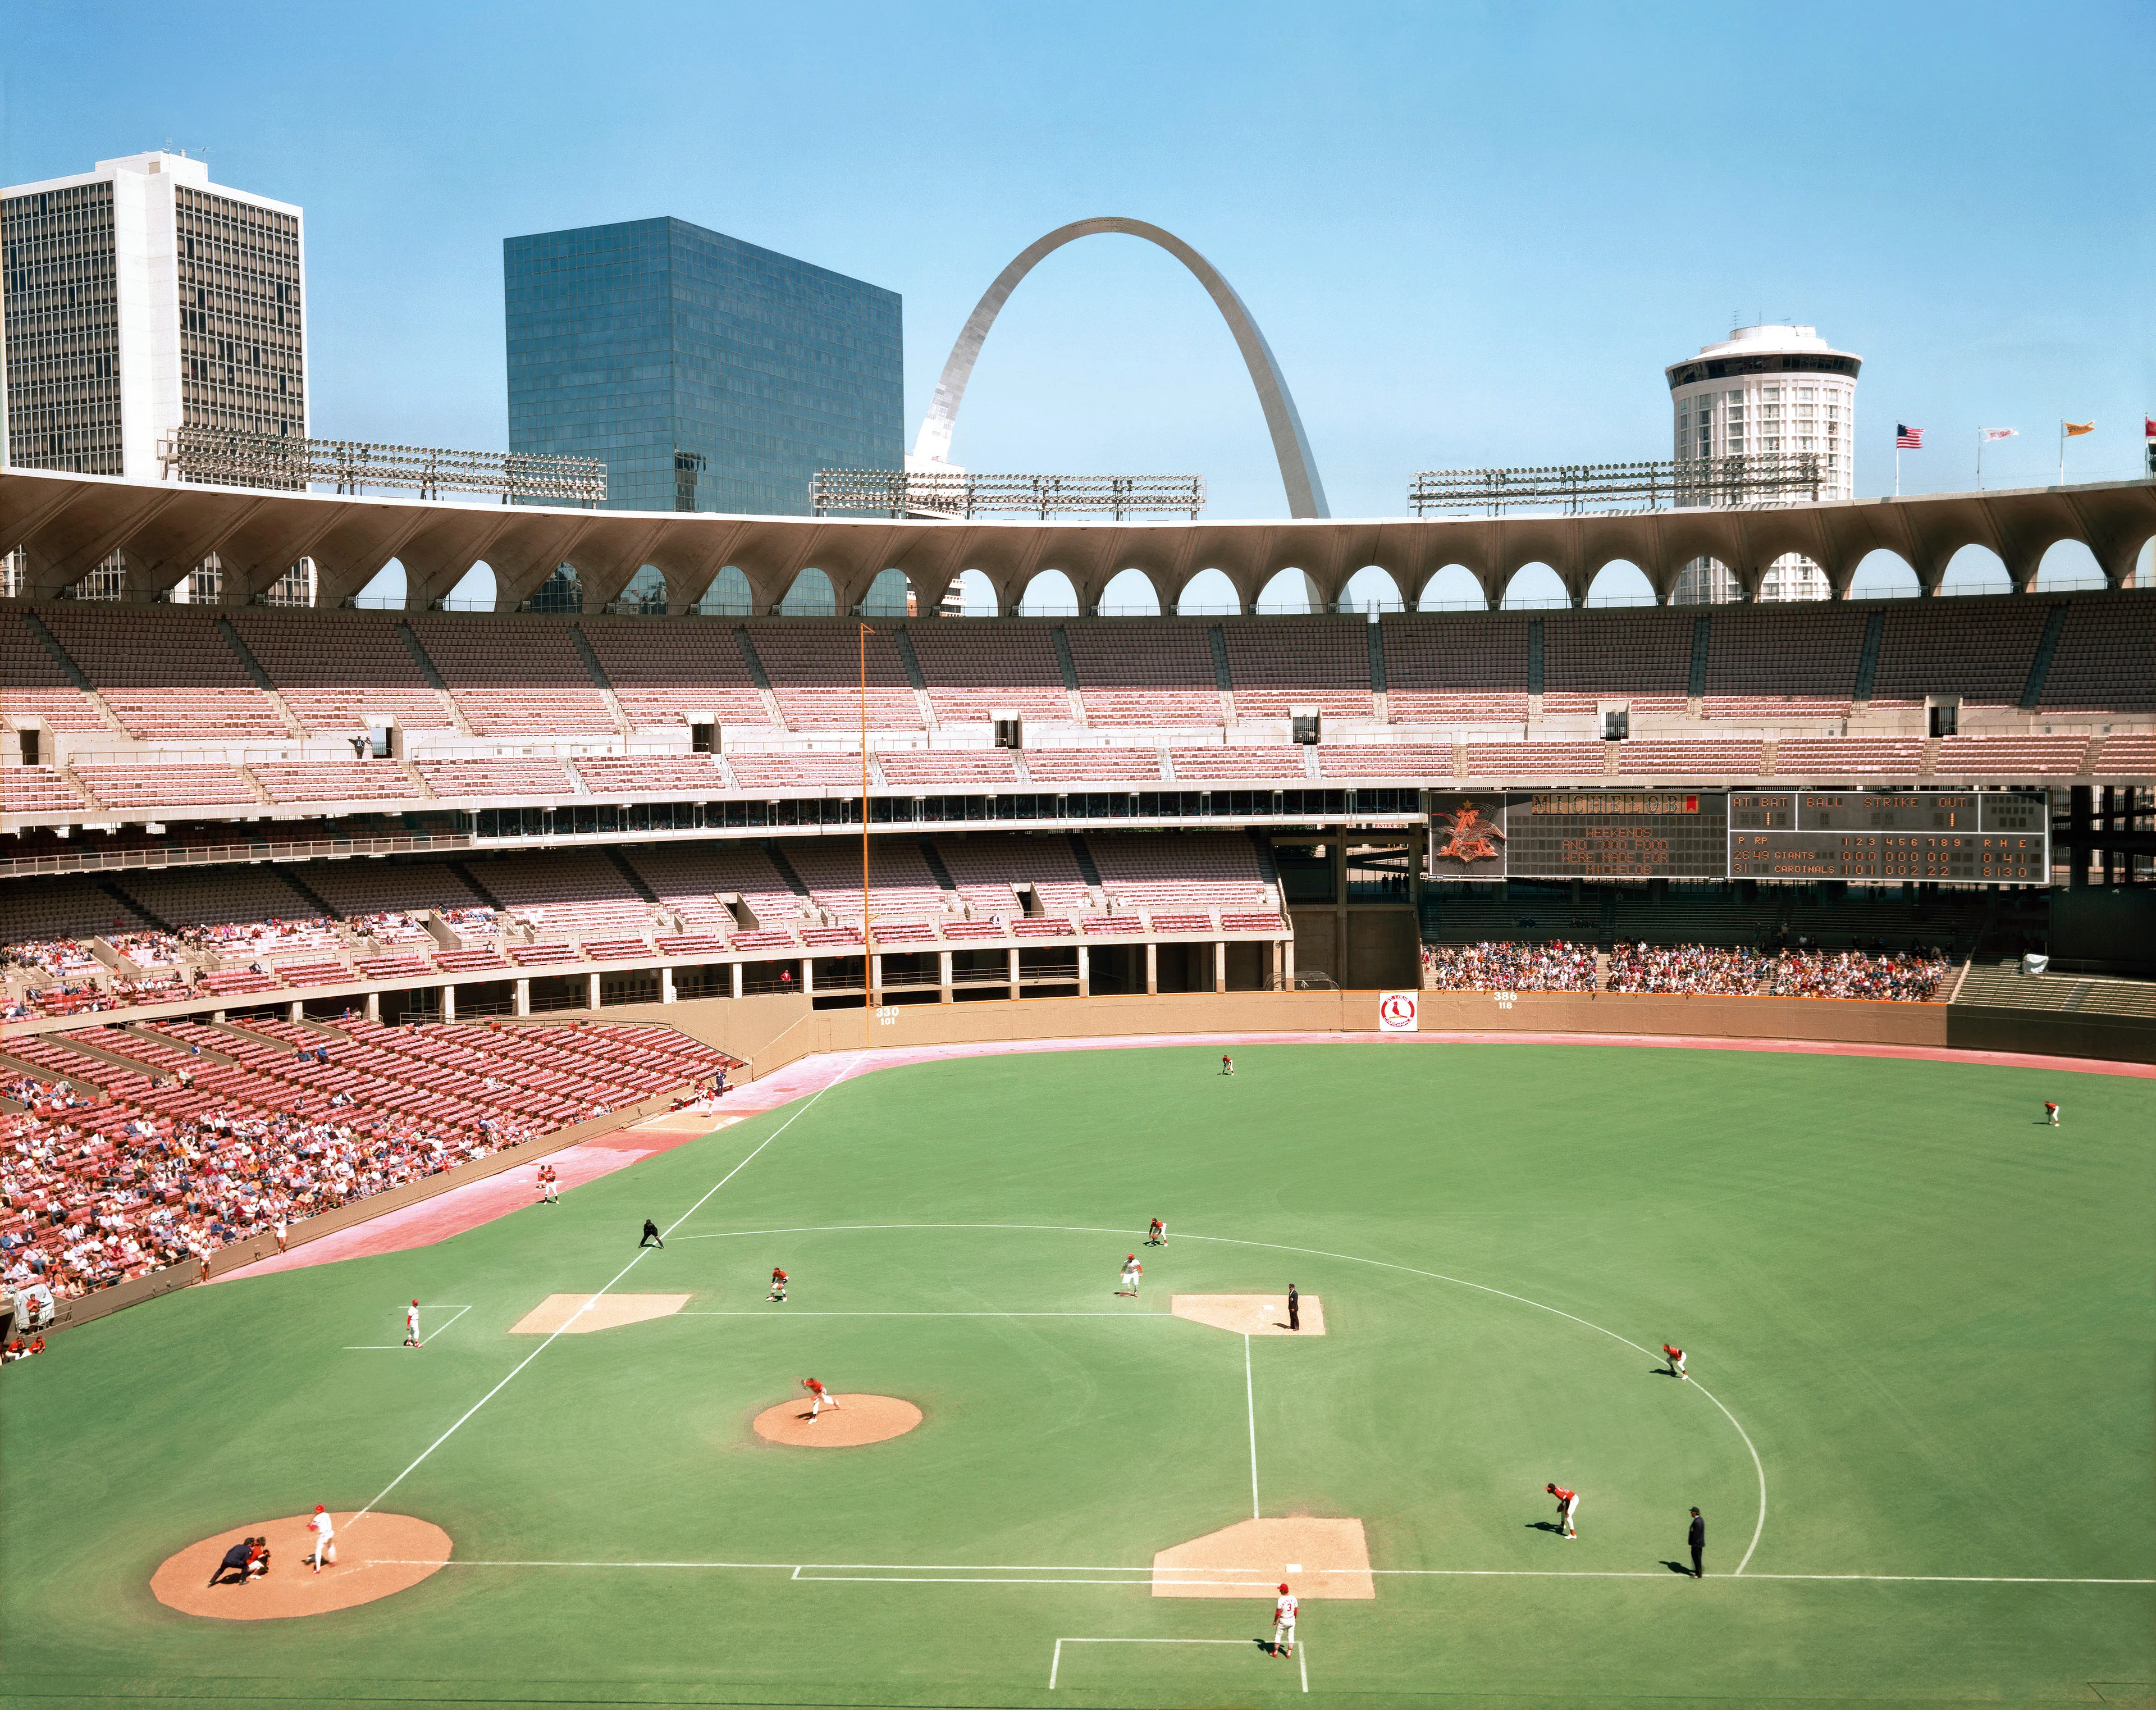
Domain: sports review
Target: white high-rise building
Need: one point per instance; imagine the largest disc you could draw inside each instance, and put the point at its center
(1767, 390)
(140, 296)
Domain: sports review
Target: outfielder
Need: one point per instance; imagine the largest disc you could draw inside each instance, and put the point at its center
(1676, 1357)
(412, 1325)
(777, 1285)
(1568, 1506)
(1284, 1608)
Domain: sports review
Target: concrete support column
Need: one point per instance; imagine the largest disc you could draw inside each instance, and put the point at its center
(373, 1008)
(665, 985)
(292, 1011)
(875, 978)
(1011, 963)
(737, 979)
(1085, 973)
(1287, 964)
(1219, 964)
(523, 997)
(943, 994)
(591, 991)
(449, 1002)
(1153, 970)
(218, 1016)
(808, 975)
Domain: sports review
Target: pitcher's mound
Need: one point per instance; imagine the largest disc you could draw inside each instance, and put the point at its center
(377, 1556)
(857, 1419)
(609, 1312)
(1316, 1557)
(1251, 1314)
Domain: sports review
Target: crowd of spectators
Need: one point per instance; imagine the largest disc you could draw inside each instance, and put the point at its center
(259, 938)
(97, 1189)
(58, 957)
(1558, 967)
(389, 927)
(1697, 970)
(1910, 976)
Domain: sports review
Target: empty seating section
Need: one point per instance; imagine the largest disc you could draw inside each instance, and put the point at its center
(32, 910)
(1145, 674)
(2105, 659)
(671, 673)
(989, 868)
(1534, 759)
(169, 676)
(1981, 652)
(361, 888)
(977, 669)
(950, 768)
(1680, 759)
(505, 775)
(1796, 661)
(32, 684)
(213, 898)
(1447, 668)
(689, 881)
(566, 894)
(2010, 757)
(515, 676)
(1128, 765)
(1198, 869)
(1406, 761)
(901, 888)
(681, 775)
(815, 673)
(1642, 657)
(37, 790)
(1280, 760)
(1824, 759)
(1279, 664)
(802, 770)
(167, 786)
(335, 781)
(2128, 756)
(342, 671)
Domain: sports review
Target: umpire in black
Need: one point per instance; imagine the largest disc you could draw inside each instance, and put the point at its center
(1696, 1538)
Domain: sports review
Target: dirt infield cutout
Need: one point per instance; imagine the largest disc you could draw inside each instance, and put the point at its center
(857, 1419)
(377, 1556)
(609, 1312)
(1317, 1557)
(1251, 1314)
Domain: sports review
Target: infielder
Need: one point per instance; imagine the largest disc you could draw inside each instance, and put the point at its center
(1568, 1506)
(1132, 1272)
(1157, 1234)
(1284, 1607)
(820, 1397)
(777, 1285)
(325, 1531)
(412, 1325)
(1675, 1358)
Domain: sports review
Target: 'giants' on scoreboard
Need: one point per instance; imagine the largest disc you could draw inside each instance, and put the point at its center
(1965, 837)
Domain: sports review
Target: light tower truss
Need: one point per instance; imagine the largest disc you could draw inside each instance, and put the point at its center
(955, 495)
(1720, 482)
(222, 458)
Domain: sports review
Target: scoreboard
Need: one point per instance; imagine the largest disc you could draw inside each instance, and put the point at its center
(1962, 837)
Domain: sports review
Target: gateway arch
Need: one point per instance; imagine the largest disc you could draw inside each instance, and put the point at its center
(1305, 493)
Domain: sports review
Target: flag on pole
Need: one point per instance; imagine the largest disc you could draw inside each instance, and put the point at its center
(2148, 427)
(1907, 438)
(2000, 433)
(2071, 429)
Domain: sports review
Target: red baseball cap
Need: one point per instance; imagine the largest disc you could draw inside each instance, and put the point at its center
(1283, 1585)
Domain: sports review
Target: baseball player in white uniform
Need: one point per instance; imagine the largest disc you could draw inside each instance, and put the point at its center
(412, 1325)
(325, 1531)
(1132, 1272)
(1284, 1608)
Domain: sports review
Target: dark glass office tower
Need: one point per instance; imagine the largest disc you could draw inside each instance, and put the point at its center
(707, 374)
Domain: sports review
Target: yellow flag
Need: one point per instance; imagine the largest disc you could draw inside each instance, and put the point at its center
(2074, 428)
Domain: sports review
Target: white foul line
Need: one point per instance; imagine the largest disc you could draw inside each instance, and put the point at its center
(1757, 1466)
(592, 1301)
(1164, 1318)
(1251, 1400)
(455, 1310)
(1055, 1661)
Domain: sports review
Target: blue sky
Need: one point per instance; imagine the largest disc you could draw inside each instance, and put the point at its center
(1473, 233)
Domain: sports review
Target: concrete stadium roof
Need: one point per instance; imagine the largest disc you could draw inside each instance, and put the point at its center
(68, 524)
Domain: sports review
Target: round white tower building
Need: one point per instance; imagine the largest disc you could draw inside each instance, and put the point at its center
(1767, 390)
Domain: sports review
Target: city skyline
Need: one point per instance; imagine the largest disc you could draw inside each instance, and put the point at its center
(1497, 277)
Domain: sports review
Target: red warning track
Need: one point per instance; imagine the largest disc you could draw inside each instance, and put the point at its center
(478, 1202)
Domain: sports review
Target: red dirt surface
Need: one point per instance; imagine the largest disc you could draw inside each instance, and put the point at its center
(377, 1557)
(858, 1420)
(1251, 1314)
(1316, 1558)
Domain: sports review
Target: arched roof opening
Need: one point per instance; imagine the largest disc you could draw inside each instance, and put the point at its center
(729, 595)
(384, 590)
(2066, 567)
(1976, 569)
(977, 596)
(1534, 587)
(811, 596)
(643, 593)
(1883, 574)
(1619, 582)
(889, 596)
(1050, 594)
(1209, 594)
(1371, 590)
(1290, 592)
(564, 591)
(1453, 588)
(1130, 593)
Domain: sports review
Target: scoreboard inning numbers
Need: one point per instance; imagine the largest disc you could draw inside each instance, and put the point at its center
(1965, 837)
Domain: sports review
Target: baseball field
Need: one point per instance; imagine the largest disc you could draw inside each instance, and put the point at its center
(1917, 1425)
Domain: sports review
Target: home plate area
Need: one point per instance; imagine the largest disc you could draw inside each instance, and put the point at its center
(1321, 1558)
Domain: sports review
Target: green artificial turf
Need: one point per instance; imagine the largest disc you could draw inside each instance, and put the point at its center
(1931, 1315)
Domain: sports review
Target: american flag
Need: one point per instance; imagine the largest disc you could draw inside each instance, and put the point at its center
(1908, 438)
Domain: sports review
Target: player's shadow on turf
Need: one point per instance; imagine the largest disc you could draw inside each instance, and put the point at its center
(1543, 1526)
(1678, 1567)
(1662, 1371)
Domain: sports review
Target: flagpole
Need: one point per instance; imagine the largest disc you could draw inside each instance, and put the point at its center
(1979, 459)
(1898, 465)
(2063, 451)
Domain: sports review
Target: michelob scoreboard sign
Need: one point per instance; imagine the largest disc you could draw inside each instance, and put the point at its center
(1965, 837)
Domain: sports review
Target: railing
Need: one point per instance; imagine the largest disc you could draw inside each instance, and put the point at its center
(111, 860)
